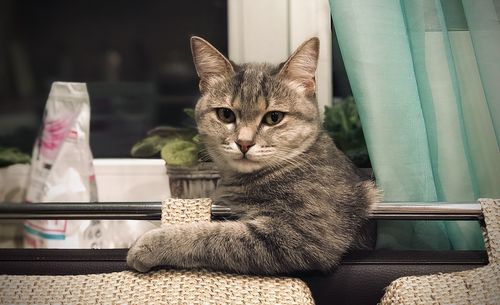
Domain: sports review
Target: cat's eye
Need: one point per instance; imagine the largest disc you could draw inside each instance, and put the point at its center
(226, 115)
(273, 118)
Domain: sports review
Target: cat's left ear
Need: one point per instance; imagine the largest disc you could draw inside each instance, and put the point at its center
(300, 67)
(209, 62)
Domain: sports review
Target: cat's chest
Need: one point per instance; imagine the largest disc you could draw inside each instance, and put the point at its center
(241, 195)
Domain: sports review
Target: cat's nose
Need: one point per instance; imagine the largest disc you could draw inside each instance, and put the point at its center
(244, 146)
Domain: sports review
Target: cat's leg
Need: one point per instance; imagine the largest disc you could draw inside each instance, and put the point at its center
(256, 246)
(219, 245)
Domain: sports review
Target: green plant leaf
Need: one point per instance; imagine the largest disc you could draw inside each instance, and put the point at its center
(180, 152)
(196, 139)
(189, 112)
(342, 123)
(169, 131)
(9, 156)
(148, 146)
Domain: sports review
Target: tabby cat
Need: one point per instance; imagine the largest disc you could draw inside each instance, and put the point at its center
(300, 202)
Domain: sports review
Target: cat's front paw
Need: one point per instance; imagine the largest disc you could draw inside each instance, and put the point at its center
(142, 255)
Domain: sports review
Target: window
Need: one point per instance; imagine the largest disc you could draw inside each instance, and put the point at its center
(133, 55)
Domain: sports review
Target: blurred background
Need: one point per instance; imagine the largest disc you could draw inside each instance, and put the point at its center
(136, 60)
(133, 55)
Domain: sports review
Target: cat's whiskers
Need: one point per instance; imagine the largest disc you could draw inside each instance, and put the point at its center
(203, 153)
(278, 160)
(261, 153)
(285, 156)
(268, 157)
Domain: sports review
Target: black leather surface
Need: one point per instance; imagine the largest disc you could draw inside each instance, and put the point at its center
(360, 279)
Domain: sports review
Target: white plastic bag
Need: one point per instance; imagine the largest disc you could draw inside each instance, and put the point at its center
(62, 170)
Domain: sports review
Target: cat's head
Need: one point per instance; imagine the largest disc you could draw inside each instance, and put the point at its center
(252, 116)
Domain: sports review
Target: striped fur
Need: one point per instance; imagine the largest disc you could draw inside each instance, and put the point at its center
(299, 200)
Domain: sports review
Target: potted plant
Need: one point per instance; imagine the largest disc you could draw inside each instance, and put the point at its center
(190, 170)
(344, 126)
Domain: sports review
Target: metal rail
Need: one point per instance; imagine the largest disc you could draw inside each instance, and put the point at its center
(428, 211)
(152, 211)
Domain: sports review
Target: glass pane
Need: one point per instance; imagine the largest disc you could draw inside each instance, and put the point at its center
(135, 58)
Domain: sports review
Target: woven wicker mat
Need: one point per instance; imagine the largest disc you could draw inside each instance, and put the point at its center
(160, 287)
(477, 286)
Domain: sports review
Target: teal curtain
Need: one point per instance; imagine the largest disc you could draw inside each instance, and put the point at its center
(426, 78)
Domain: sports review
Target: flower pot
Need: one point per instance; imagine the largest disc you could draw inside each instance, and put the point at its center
(197, 181)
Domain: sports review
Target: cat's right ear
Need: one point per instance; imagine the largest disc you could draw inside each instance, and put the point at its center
(300, 67)
(209, 62)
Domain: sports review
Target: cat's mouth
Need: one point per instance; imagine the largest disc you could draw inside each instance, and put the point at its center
(245, 158)
(245, 165)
